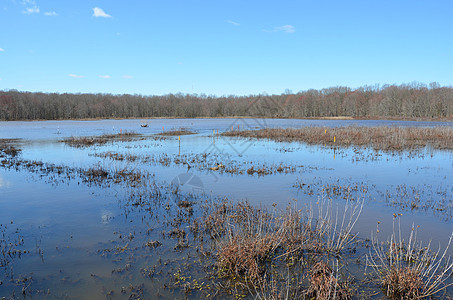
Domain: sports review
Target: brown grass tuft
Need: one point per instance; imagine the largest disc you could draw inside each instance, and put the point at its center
(324, 284)
(245, 256)
(403, 283)
(250, 242)
(407, 270)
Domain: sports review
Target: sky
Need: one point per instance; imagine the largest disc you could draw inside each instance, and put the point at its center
(222, 47)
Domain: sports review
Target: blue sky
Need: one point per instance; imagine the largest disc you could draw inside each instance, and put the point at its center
(221, 47)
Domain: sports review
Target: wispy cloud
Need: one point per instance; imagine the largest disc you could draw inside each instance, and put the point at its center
(105, 76)
(99, 12)
(127, 77)
(284, 28)
(1, 49)
(234, 23)
(75, 76)
(50, 13)
(31, 10)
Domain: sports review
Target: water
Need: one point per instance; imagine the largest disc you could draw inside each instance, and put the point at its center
(89, 241)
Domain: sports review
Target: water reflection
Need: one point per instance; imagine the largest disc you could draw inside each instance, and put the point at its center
(106, 216)
(4, 183)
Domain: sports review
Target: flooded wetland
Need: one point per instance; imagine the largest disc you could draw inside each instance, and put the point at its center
(226, 208)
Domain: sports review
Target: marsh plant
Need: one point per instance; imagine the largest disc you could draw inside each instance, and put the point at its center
(88, 141)
(405, 269)
(382, 138)
(272, 253)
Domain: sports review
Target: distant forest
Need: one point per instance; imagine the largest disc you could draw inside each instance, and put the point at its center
(413, 100)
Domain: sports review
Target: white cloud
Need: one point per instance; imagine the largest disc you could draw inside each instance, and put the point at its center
(105, 76)
(31, 10)
(75, 76)
(286, 28)
(99, 12)
(50, 13)
(234, 23)
(2, 50)
(26, 2)
(127, 77)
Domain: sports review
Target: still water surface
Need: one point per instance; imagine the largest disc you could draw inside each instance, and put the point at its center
(68, 224)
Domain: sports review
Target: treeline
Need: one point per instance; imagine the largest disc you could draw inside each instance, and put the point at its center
(413, 100)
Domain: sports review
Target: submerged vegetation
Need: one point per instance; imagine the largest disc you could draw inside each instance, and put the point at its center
(415, 100)
(378, 138)
(9, 148)
(207, 162)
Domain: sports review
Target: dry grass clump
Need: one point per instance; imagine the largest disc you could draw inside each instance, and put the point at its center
(246, 239)
(379, 138)
(87, 141)
(403, 283)
(250, 242)
(181, 131)
(246, 256)
(407, 270)
(324, 284)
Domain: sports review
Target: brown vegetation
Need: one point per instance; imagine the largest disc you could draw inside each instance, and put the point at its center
(407, 270)
(206, 162)
(250, 242)
(413, 101)
(176, 132)
(87, 141)
(379, 138)
(324, 284)
(8, 147)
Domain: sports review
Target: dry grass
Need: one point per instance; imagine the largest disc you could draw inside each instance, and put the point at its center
(324, 284)
(87, 141)
(176, 132)
(409, 270)
(402, 283)
(379, 138)
(250, 242)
